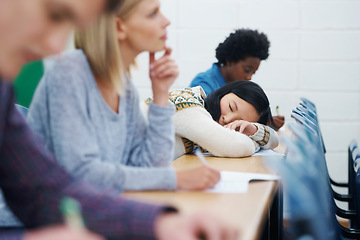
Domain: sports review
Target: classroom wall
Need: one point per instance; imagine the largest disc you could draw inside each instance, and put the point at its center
(315, 53)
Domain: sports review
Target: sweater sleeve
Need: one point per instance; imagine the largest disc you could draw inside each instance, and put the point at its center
(197, 125)
(61, 103)
(265, 137)
(11, 234)
(154, 139)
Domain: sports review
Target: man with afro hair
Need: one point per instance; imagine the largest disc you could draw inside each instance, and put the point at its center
(239, 57)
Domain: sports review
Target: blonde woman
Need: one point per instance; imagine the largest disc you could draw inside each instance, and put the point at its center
(87, 109)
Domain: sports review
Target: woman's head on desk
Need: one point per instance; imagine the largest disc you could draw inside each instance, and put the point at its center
(239, 100)
(112, 43)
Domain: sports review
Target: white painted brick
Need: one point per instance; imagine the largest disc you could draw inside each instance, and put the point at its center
(283, 45)
(277, 75)
(337, 136)
(269, 14)
(208, 14)
(285, 100)
(331, 45)
(140, 73)
(330, 76)
(337, 163)
(330, 14)
(335, 106)
(170, 9)
(200, 43)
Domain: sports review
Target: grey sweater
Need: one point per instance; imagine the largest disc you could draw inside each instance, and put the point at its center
(120, 150)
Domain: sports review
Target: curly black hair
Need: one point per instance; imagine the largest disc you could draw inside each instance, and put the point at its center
(241, 44)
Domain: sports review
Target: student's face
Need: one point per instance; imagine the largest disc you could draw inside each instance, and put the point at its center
(33, 29)
(243, 69)
(234, 108)
(145, 28)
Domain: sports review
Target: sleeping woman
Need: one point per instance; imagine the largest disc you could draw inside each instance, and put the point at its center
(230, 122)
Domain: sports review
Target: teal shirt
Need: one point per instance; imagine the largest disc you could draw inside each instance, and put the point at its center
(209, 80)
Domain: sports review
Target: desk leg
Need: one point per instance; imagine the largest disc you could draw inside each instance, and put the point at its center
(273, 229)
(276, 216)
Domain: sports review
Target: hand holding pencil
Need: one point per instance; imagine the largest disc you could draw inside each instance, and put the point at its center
(198, 178)
(278, 121)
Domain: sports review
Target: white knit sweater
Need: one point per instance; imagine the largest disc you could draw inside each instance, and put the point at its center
(194, 126)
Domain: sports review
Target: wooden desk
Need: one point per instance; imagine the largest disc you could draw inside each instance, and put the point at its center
(248, 211)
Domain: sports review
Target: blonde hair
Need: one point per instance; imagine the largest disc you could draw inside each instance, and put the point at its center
(101, 46)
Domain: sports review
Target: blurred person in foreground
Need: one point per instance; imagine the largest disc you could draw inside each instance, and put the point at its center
(32, 182)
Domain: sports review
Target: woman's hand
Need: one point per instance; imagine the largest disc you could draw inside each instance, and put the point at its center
(242, 126)
(199, 225)
(199, 178)
(61, 233)
(163, 73)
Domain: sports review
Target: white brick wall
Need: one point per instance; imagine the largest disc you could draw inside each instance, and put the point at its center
(315, 52)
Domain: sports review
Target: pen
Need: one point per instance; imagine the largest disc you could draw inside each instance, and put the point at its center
(71, 210)
(200, 156)
(277, 110)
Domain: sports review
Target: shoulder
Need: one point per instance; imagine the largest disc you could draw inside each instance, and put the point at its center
(208, 74)
(187, 98)
(71, 59)
(68, 70)
(200, 78)
(67, 78)
(68, 65)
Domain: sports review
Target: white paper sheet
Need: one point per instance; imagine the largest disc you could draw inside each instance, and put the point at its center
(238, 182)
(267, 152)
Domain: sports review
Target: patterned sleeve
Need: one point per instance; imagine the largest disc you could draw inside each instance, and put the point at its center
(265, 137)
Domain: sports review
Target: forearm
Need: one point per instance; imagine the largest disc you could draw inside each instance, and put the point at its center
(115, 217)
(136, 179)
(154, 142)
(197, 125)
(12, 235)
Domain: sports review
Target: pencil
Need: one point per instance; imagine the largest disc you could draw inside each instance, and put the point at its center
(277, 110)
(71, 210)
(200, 156)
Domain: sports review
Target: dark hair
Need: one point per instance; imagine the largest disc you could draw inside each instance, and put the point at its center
(246, 90)
(241, 44)
(112, 5)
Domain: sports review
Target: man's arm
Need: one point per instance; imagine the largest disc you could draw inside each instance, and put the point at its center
(33, 185)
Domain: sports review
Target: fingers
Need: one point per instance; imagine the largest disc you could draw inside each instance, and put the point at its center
(164, 67)
(168, 51)
(229, 233)
(166, 55)
(151, 58)
(211, 227)
(211, 177)
(243, 126)
(237, 124)
(167, 68)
